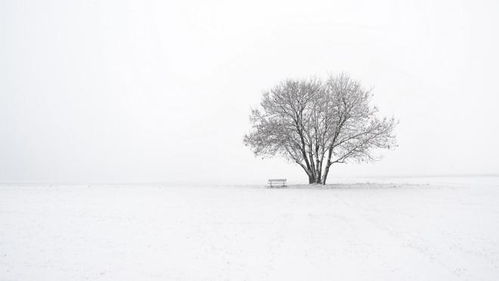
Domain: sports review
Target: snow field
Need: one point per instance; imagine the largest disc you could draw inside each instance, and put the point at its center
(341, 232)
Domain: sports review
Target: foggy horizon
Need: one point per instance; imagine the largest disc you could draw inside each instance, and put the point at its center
(132, 92)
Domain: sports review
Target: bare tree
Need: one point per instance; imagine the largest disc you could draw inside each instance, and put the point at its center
(318, 123)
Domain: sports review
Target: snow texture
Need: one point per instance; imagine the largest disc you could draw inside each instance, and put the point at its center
(405, 229)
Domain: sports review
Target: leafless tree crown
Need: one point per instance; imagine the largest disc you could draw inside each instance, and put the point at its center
(318, 123)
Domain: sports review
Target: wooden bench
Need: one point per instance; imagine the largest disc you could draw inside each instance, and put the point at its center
(277, 182)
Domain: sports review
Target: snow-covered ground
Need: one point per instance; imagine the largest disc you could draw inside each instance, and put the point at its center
(398, 229)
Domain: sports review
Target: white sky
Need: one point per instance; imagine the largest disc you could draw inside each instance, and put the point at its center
(160, 91)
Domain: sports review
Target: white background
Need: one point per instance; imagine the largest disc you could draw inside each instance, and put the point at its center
(160, 91)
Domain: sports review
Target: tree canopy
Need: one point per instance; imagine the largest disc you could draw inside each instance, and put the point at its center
(317, 123)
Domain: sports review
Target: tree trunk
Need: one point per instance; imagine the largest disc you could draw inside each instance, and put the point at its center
(318, 180)
(326, 172)
(319, 172)
(311, 179)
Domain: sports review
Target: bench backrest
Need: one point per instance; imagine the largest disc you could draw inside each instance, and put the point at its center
(277, 180)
